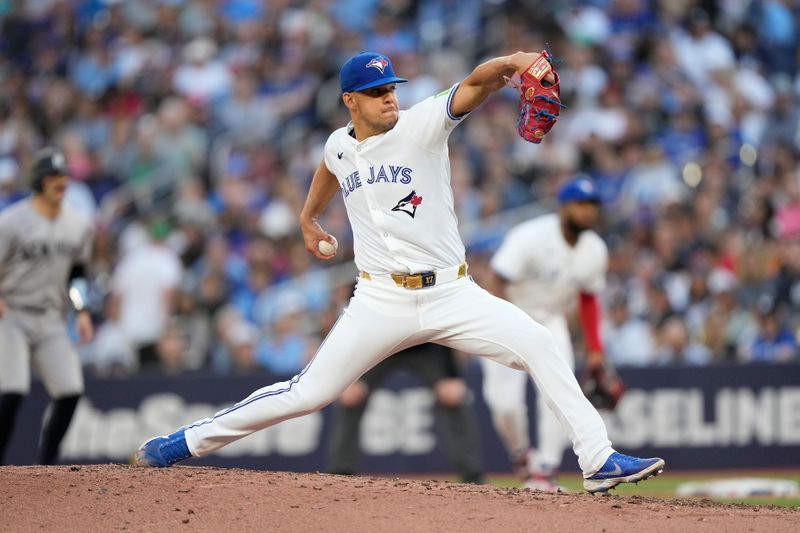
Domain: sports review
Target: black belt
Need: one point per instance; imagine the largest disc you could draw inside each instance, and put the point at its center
(30, 309)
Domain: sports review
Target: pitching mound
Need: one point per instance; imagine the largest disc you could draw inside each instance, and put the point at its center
(122, 498)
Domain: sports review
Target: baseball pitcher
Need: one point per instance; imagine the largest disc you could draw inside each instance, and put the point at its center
(44, 250)
(393, 171)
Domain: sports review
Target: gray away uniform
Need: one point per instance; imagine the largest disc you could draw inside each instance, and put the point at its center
(36, 256)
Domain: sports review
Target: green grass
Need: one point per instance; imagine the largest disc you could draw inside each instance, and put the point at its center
(664, 486)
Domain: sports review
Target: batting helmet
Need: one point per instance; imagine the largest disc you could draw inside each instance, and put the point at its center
(580, 189)
(47, 162)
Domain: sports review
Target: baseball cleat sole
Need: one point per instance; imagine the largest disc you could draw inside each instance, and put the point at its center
(139, 458)
(604, 485)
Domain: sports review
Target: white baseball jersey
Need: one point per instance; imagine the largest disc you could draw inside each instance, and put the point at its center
(396, 189)
(545, 272)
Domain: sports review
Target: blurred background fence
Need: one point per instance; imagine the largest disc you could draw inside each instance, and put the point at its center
(697, 418)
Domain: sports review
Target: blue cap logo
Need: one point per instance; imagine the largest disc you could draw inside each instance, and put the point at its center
(367, 70)
(580, 189)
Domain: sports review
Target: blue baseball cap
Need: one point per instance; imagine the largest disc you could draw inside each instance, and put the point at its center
(580, 189)
(367, 70)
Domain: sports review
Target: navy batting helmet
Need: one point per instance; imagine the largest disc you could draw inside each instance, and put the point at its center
(47, 162)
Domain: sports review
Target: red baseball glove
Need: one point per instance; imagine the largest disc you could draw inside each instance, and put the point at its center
(539, 100)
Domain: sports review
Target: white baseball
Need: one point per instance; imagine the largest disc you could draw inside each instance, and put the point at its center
(326, 248)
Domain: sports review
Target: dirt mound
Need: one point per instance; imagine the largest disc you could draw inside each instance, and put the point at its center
(122, 498)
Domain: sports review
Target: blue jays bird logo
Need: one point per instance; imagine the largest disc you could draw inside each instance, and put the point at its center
(378, 63)
(408, 205)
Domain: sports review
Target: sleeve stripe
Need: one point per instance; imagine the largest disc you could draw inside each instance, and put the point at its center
(450, 101)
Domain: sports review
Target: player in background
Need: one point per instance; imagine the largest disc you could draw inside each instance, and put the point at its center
(393, 169)
(44, 249)
(437, 368)
(544, 266)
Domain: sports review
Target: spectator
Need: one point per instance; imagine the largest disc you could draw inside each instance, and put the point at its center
(628, 340)
(243, 342)
(202, 77)
(145, 282)
(286, 351)
(234, 342)
(94, 71)
(774, 343)
(193, 324)
(171, 350)
(9, 186)
(245, 115)
(701, 50)
(729, 329)
(179, 144)
(674, 346)
(111, 353)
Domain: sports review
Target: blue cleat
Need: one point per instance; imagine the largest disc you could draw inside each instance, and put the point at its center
(162, 451)
(621, 468)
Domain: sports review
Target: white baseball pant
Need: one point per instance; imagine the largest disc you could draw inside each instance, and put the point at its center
(504, 392)
(382, 319)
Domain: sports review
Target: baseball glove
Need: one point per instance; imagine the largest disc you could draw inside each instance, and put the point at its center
(539, 100)
(603, 387)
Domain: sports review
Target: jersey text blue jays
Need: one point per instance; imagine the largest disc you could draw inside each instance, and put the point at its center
(379, 174)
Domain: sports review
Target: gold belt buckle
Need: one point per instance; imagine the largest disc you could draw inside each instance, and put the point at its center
(415, 281)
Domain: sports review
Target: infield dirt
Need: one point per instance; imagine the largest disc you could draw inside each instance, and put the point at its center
(191, 499)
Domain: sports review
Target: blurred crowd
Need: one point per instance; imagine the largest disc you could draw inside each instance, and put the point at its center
(192, 129)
